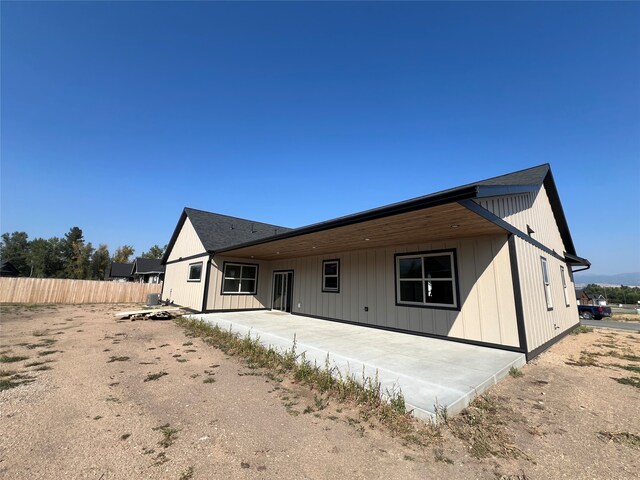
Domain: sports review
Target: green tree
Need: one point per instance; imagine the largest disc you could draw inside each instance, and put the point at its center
(14, 248)
(123, 253)
(156, 252)
(38, 257)
(73, 250)
(100, 262)
(80, 266)
(55, 259)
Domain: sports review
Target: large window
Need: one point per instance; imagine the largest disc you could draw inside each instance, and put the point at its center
(195, 272)
(547, 283)
(331, 276)
(427, 279)
(564, 287)
(239, 278)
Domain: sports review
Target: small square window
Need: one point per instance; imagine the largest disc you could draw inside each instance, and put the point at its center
(195, 272)
(331, 276)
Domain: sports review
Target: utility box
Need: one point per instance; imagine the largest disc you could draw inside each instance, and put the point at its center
(153, 299)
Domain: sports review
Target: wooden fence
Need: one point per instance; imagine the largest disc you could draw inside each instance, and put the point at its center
(57, 290)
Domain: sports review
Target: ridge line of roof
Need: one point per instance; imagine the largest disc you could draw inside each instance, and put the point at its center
(231, 217)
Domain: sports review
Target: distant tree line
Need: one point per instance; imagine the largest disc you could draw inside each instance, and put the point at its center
(67, 257)
(621, 294)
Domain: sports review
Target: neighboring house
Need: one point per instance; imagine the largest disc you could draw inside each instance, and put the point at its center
(457, 264)
(582, 297)
(119, 272)
(588, 298)
(7, 269)
(596, 299)
(147, 270)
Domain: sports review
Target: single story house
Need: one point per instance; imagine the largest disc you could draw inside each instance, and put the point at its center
(147, 270)
(588, 298)
(8, 269)
(119, 272)
(489, 263)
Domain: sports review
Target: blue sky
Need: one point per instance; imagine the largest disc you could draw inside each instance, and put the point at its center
(117, 115)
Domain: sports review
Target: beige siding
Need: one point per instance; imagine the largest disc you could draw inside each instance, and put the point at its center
(542, 324)
(533, 209)
(217, 301)
(176, 287)
(487, 311)
(188, 243)
(182, 292)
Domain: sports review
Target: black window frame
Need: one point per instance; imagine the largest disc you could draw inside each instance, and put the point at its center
(241, 265)
(455, 279)
(191, 265)
(565, 289)
(546, 283)
(326, 289)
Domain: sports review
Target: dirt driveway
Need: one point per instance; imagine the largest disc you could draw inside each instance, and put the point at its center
(97, 398)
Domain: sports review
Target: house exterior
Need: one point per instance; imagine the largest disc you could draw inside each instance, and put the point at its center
(588, 298)
(119, 272)
(489, 263)
(147, 270)
(7, 269)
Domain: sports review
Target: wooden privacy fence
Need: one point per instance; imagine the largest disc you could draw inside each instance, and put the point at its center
(58, 290)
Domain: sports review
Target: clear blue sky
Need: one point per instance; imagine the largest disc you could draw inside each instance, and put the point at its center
(117, 115)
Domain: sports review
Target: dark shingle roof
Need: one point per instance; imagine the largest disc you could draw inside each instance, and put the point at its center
(221, 231)
(527, 180)
(7, 269)
(147, 265)
(120, 270)
(217, 231)
(529, 176)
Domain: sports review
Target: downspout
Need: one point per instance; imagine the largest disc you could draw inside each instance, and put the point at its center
(517, 294)
(206, 282)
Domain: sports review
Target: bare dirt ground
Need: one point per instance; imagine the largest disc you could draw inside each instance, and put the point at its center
(103, 399)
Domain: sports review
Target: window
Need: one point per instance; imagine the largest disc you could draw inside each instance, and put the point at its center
(240, 278)
(547, 284)
(195, 272)
(564, 286)
(331, 276)
(427, 279)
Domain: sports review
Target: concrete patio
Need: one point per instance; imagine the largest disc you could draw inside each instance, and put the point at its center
(430, 372)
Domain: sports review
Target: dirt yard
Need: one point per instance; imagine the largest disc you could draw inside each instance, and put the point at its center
(96, 398)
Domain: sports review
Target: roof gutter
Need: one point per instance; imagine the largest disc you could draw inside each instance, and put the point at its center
(576, 260)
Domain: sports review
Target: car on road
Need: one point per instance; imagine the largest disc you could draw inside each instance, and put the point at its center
(597, 312)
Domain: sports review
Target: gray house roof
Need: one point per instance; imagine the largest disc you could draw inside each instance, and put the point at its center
(147, 265)
(217, 231)
(220, 233)
(119, 270)
(527, 180)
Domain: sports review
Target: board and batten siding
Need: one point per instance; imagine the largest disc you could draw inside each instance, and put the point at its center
(542, 324)
(367, 279)
(176, 286)
(533, 209)
(187, 244)
(178, 289)
(217, 301)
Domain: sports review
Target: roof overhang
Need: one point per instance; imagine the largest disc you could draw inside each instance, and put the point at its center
(422, 225)
(576, 261)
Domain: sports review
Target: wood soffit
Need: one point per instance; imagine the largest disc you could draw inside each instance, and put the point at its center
(427, 225)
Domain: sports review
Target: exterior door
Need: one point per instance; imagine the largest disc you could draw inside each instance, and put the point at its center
(282, 291)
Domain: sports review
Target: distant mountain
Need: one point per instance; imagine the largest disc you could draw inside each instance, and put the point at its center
(618, 279)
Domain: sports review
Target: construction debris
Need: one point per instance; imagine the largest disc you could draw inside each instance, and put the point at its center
(150, 314)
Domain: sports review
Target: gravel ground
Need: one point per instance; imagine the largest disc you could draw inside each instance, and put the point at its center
(91, 407)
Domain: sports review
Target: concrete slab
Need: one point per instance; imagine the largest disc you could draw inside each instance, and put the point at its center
(430, 372)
